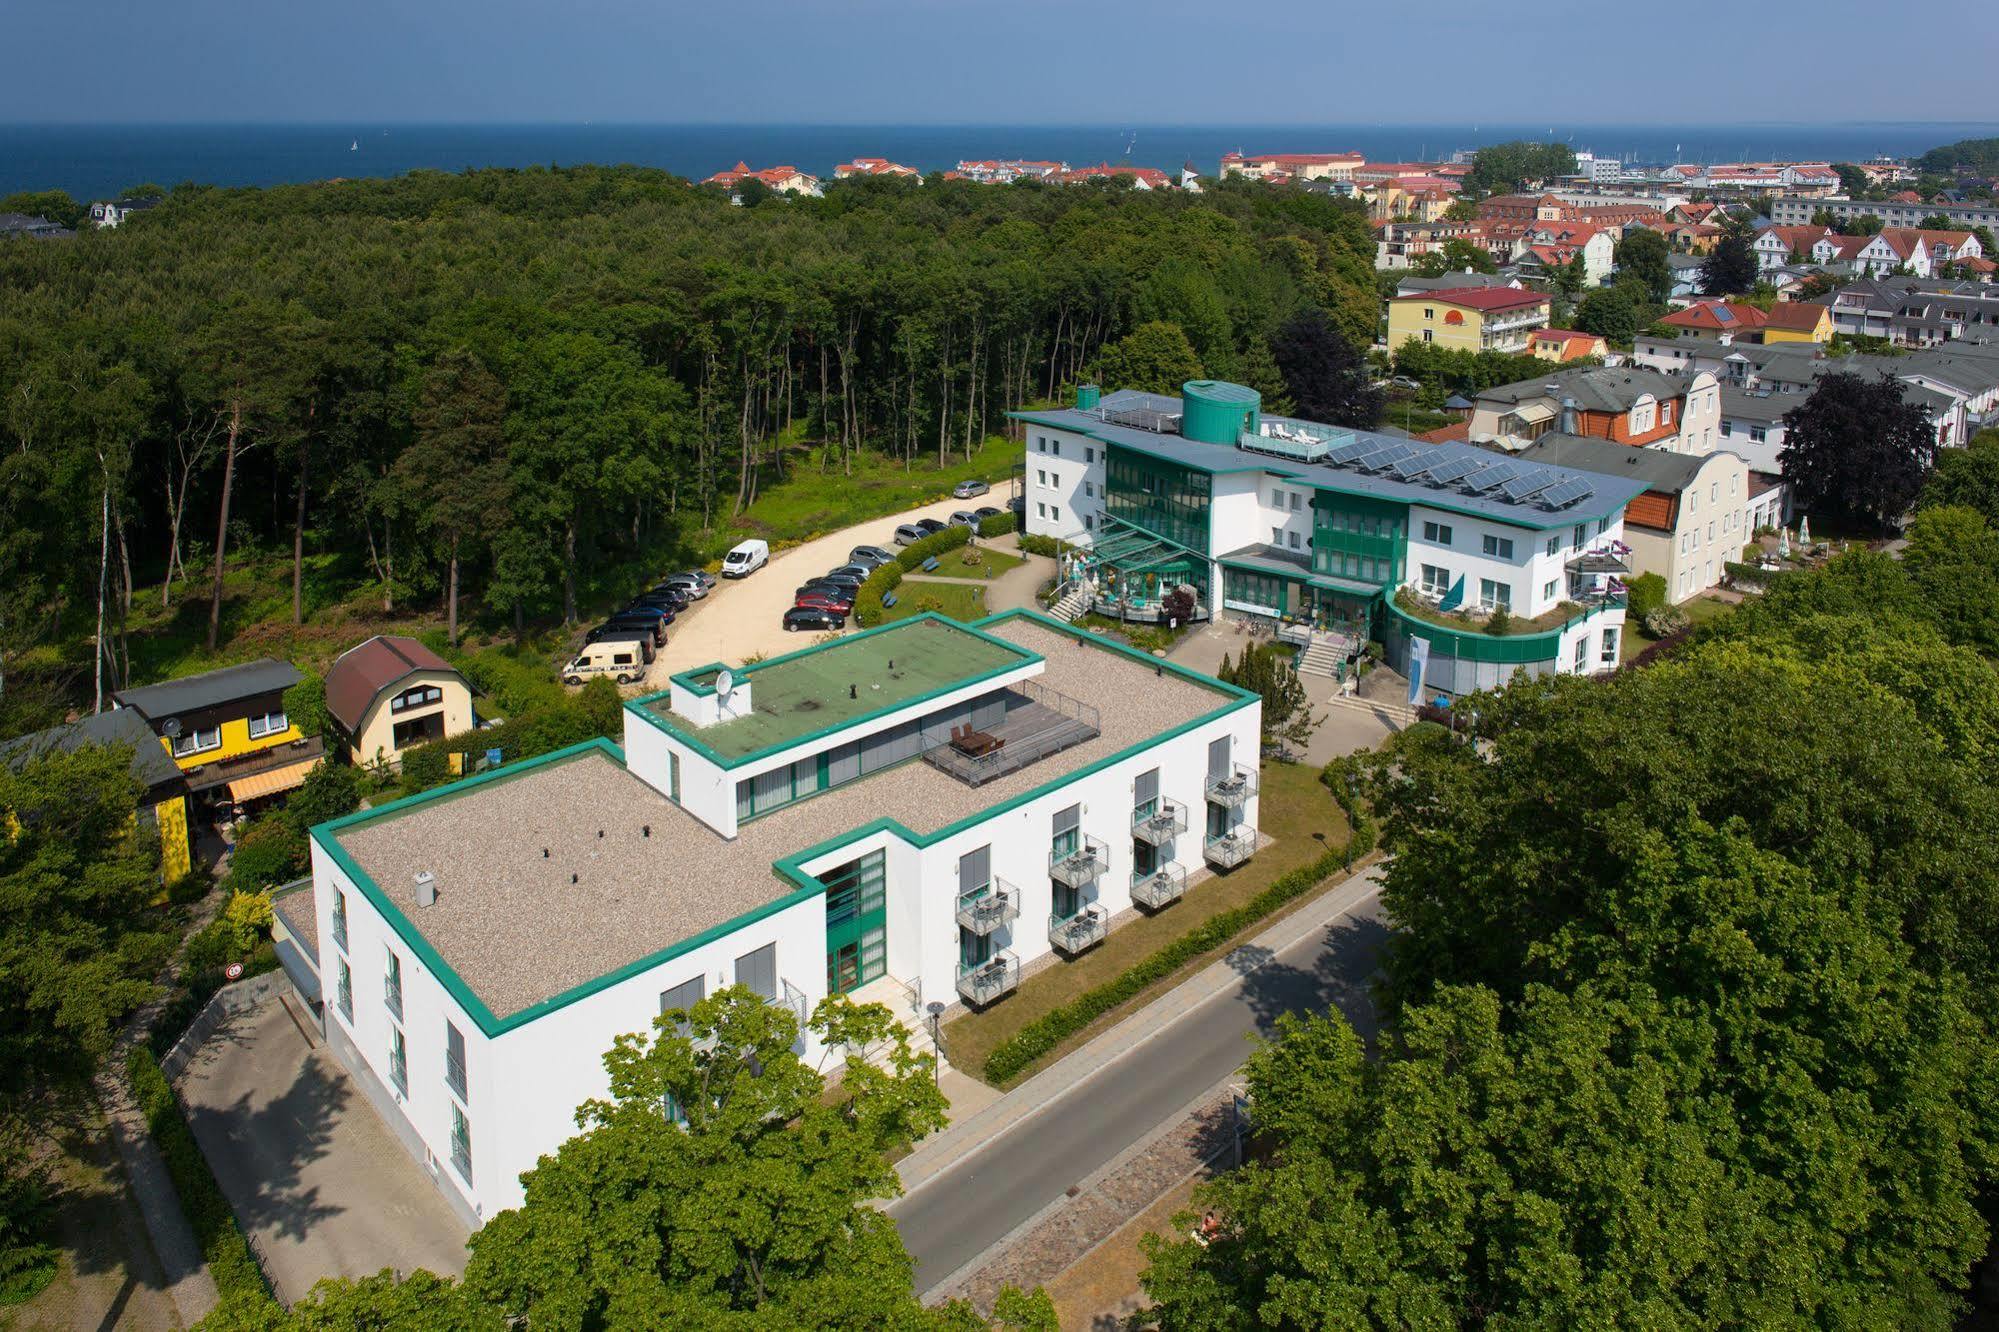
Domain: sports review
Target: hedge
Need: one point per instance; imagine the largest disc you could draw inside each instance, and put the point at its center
(1036, 544)
(237, 1277)
(868, 601)
(595, 711)
(997, 524)
(1017, 1053)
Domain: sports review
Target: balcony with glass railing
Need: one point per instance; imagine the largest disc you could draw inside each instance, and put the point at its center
(979, 983)
(1085, 929)
(1233, 787)
(1160, 824)
(1230, 849)
(984, 910)
(1160, 888)
(1080, 865)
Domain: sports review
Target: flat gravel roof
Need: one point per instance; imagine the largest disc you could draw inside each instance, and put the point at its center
(516, 929)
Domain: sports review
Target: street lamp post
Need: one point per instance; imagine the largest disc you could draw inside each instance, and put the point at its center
(936, 1010)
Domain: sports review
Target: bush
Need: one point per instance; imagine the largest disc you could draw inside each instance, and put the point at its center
(1645, 594)
(1016, 1054)
(305, 705)
(1036, 544)
(238, 1279)
(937, 543)
(1666, 621)
(998, 524)
(868, 601)
(1500, 622)
(269, 852)
(596, 710)
(330, 791)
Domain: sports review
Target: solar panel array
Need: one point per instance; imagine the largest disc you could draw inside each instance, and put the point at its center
(1495, 479)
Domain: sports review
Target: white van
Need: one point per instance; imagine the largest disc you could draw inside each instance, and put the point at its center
(622, 661)
(745, 558)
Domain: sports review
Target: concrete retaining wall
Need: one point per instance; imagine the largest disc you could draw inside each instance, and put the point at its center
(222, 1005)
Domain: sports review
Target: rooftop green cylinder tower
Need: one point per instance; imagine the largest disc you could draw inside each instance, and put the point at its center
(1087, 398)
(1217, 412)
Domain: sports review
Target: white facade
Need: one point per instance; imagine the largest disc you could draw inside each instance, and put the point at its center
(524, 1074)
(1065, 484)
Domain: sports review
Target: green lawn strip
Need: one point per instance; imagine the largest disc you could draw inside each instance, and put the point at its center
(1700, 610)
(992, 563)
(238, 1278)
(1061, 1006)
(960, 601)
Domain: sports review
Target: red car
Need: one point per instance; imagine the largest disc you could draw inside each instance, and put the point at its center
(825, 601)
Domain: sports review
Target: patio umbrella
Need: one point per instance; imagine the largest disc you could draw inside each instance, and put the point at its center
(1804, 530)
(1784, 542)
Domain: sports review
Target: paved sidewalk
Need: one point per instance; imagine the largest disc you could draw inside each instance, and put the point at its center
(977, 1185)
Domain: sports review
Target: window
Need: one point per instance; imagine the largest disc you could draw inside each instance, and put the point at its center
(1089, 523)
(757, 969)
(1727, 429)
(1714, 491)
(1041, 476)
(1276, 498)
(268, 724)
(1665, 413)
(1437, 533)
(1582, 533)
(1294, 501)
(1495, 595)
(683, 997)
(1090, 490)
(1276, 536)
(1641, 417)
(454, 1061)
(1041, 443)
(1608, 656)
(418, 697)
(346, 990)
(340, 917)
(1758, 434)
(1436, 580)
(1055, 447)
(461, 1144)
(1291, 539)
(1710, 533)
(1499, 547)
(1427, 337)
(1429, 312)
(1582, 651)
(1693, 501)
(673, 775)
(1040, 509)
(1548, 590)
(399, 1062)
(1089, 454)
(197, 741)
(1054, 514)
(1731, 485)
(1554, 544)
(392, 984)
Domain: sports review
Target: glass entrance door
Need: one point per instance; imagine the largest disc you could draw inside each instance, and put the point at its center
(1218, 821)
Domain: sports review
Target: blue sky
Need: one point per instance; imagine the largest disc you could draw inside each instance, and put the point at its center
(992, 61)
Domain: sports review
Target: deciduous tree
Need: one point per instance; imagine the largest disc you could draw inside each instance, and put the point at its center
(1857, 450)
(1327, 377)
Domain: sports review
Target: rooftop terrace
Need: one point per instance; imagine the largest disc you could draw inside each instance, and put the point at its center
(518, 932)
(823, 688)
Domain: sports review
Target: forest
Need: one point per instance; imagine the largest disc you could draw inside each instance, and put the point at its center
(490, 392)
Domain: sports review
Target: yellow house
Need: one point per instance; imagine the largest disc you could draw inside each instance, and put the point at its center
(1478, 319)
(1798, 321)
(228, 733)
(390, 693)
(163, 796)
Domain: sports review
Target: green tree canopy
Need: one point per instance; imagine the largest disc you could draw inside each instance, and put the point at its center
(1608, 313)
(1857, 449)
(1154, 357)
(1502, 167)
(1327, 377)
(1643, 253)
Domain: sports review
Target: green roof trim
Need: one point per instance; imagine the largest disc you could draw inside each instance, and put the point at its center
(655, 710)
(788, 868)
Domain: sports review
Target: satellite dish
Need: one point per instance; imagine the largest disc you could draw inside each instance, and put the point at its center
(724, 682)
(171, 727)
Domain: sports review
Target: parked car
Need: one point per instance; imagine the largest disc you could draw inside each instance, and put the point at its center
(818, 586)
(909, 534)
(1019, 506)
(930, 526)
(646, 621)
(844, 583)
(872, 556)
(621, 661)
(860, 571)
(1405, 382)
(605, 633)
(690, 583)
(826, 601)
(677, 595)
(661, 604)
(745, 558)
(969, 489)
(811, 617)
(964, 518)
(988, 512)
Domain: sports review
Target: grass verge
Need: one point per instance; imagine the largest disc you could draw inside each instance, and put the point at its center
(991, 563)
(960, 601)
(1060, 1006)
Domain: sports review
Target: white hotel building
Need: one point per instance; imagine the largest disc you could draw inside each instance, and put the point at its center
(1347, 532)
(912, 814)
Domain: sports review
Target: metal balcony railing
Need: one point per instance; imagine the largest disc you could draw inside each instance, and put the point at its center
(983, 914)
(794, 999)
(1075, 869)
(454, 1075)
(1231, 849)
(1233, 787)
(1072, 934)
(1162, 887)
(1166, 821)
(983, 982)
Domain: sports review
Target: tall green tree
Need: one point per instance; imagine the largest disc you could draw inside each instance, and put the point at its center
(1608, 313)
(455, 466)
(1643, 253)
(1858, 450)
(1154, 357)
(1327, 377)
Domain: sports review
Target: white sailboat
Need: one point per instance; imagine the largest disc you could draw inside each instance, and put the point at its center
(354, 147)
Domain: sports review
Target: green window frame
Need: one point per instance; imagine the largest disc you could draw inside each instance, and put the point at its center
(1159, 497)
(1355, 536)
(856, 921)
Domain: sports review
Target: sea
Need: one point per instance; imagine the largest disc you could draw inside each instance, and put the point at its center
(100, 161)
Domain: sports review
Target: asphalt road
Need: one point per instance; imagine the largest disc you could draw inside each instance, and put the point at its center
(967, 1208)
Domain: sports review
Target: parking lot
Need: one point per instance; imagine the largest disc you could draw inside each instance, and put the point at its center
(315, 1177)
(742, 618)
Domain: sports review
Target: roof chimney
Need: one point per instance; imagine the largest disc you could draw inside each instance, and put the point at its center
(426, 888)
(1567, 422)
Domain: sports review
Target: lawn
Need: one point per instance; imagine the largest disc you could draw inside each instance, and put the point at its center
(991, 563)
(960, 601)
(1297, 812)
(1701, 610)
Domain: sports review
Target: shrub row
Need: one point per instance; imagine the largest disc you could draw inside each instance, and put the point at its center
(1749, 575)
(1017, 1053)
(997, 524)
(1036, 544)
(237, 1277)
(597, 710)
(868, 601)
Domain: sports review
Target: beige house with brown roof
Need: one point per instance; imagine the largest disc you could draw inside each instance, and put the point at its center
(391, 693)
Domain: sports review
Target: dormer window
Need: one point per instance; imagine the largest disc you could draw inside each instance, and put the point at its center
(418, 697)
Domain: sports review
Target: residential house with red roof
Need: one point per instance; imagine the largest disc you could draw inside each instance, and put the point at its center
(1566, 344)
(873, 166)
(1775, 247)
(781, 179)
(1144, 178)
(1292, 166)
(1479, 319)
(391, 693)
